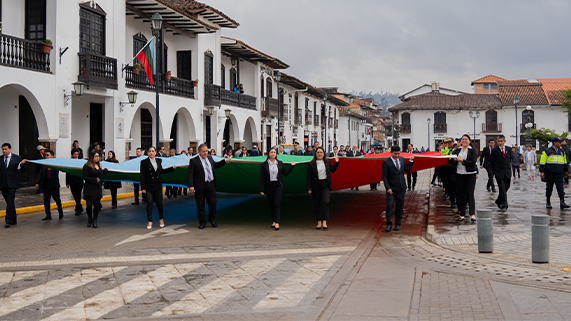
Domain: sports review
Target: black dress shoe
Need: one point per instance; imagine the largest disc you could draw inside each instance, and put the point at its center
(413, 188)
(548, 205)
(493, 190)
(47, 218)
(76, 213)
(135, 203)
(504, 209)
(202, 225)
(95, 224)
(388, 228)
(562, 205)
(60, 216)
(409, 189)
(397, 227)
(7, 225)
(213, 223)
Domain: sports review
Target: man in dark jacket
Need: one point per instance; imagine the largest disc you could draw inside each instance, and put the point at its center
(202, 183)
(296, 151)
(48, 179)
(553, 168)
(75, 183)
(500, 162)
(485, 163)
(9, 168)
(394, 168)
(255, 151)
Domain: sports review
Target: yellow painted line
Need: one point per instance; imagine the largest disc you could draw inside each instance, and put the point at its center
(53, 206)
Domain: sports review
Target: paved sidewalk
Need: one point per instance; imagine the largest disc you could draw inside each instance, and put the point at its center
(512, 229)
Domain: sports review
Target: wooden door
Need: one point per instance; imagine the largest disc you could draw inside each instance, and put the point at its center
(28, 141)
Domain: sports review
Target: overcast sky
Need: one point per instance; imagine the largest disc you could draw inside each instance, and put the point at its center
(374, 45)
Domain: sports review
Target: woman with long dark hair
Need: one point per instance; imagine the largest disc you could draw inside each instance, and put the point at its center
(319, 172)
(152, 185)
(92, 172)
(112, 186)
(465, 166)
(271, 185)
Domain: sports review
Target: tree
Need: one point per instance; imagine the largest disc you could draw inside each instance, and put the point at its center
(566, 101)
(544, 136)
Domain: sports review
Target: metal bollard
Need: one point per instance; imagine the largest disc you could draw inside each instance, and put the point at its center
(540, 238)
(485, 231)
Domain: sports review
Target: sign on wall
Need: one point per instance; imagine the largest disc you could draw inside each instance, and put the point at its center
(120, 132)
(63, 125)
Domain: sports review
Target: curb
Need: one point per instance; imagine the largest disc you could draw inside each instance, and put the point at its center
(431, 234)
(39, 208)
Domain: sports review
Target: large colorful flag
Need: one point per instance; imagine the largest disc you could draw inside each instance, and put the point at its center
(147, 58)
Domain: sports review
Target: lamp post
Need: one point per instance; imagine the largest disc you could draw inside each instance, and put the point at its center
(428, 134)
(325, 140)
(474, 116)
(157, 24)
(516, 100)
(278, 76)
(529, 126)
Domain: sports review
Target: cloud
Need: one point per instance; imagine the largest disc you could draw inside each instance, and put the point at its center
(374, 45)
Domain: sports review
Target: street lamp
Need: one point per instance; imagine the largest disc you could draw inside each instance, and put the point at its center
(278, 76)
(428, 136)
(132, 96)
(325, 139)
(156, 26)
(528, 125)
(474, 117)
(516, 100)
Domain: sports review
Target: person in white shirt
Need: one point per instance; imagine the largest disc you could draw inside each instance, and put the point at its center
(271, 185)
(530, 159)
(319, 172)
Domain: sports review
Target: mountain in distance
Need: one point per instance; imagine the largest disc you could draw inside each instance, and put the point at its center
(385, 99)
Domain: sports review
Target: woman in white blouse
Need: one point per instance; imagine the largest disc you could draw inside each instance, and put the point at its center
(465, 165)
(271, 185)
(319, 185)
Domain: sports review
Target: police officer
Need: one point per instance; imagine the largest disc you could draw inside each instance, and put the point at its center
(553, 168)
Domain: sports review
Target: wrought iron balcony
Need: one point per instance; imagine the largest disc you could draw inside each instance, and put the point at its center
(406, 128)
(235, 99)
(440, 128)
(21, 53)
(491, 127)
(97, 71)
(308, 119)
(174, 86)
(270, 107)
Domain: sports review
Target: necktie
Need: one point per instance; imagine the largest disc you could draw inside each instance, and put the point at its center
(503, 152)
(49, 173)
(209, 178)
(6, 161)
(397, 163)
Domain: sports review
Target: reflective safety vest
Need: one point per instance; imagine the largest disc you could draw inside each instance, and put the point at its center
(553, 161)
(444, 151)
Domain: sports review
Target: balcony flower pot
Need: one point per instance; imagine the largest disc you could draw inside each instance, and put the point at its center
(168, 75)
(47, 46)
(195, 82)
(84, 72)
(136, 68)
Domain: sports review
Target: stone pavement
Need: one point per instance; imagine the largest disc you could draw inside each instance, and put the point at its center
(60, 270)
(512, 229)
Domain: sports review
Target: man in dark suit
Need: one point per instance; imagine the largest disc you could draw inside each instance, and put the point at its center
(202, 183)
(75, 183)
(485, 163)
(411, 176)
(11, 164)
(394, 168)
(354, 153)
(48, 181)
(500, 163)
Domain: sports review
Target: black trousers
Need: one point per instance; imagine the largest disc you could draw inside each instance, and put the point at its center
(436, 175)
(503, 187)
(171, 191)
(76, 192)
(9, 195)
(157, 197)
(408, 179)
(490, 184)
(558, 181)
(93, 207)
(137, 186)
(208, 195)
(465, 185)
(396, 201)
(321, 198)
(113, 191)
(49, 193)
(274, 191)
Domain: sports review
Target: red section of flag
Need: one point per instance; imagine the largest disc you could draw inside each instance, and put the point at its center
(145, 64)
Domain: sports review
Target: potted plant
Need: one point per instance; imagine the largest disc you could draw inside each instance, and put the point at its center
(168, 75)
(47, 46)
(84, 71)
(195, 82)
(136, 68)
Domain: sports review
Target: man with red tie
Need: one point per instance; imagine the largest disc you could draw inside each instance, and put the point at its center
(500, 163)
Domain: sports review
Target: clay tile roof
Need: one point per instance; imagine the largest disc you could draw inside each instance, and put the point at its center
(212, 15)
(553, 88)
(488, 78)
(530, 93)
(242, 49)
(439, 101)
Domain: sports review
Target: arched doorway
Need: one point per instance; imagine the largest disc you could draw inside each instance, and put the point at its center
(250, 133)
(182, 130)
(142, 131)
(231, 134)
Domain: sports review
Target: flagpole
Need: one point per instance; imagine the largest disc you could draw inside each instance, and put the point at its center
(157, 84)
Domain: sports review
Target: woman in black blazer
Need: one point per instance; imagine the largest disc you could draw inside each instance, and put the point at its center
(152, 185)
(319, 185)
(466, 168)
(112, 186)
(271, 183)
(92, 172)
